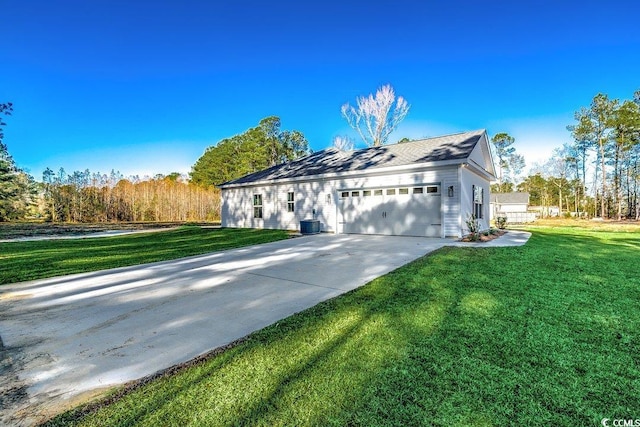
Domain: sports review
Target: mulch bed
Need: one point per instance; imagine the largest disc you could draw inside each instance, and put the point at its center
(493, 234)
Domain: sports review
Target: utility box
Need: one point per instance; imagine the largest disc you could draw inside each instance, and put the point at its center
(309, 226)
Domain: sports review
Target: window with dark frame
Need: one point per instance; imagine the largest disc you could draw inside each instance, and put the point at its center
(478, 195)
(290, 202)
(257, 205)
(432, 189)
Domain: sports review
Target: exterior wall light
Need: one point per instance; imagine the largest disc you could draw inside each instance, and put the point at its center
(450, 191)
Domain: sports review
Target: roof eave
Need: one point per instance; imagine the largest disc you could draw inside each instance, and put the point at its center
(478, 170)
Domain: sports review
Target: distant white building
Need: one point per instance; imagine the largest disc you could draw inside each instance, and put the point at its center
(546, 211)
(512, 205)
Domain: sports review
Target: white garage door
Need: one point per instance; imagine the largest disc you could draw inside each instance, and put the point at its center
(399, 211)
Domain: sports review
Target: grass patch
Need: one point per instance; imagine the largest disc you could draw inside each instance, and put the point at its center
(545, 334)
(29, 260)
(585, 224)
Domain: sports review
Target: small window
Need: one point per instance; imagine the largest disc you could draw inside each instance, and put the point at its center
(377, 192)
(403, 191)
(328, 199)
(366, 193)
(391, 191)
(355, 193)
(432, 189)
(257, 205)
(344, 194)
(290, 201)
(478, 196)
(418, 190)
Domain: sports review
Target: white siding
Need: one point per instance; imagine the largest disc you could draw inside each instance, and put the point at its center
(237, 206)
(511, 207)
(322, 195)
(451, 205)
(477, 155)
(481, 156)
(468, 179)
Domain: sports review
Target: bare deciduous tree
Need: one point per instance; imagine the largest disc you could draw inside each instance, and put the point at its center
(375, 118)
(343, 143)
(515, 165)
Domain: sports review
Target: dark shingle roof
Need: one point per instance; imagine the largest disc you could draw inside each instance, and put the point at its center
(442, 148)
(508, 198)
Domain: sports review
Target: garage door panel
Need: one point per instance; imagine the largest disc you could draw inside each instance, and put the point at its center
(363, 216)
(418, 216)
(393, 214)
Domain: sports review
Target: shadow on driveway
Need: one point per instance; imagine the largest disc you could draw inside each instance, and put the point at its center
(66, 337)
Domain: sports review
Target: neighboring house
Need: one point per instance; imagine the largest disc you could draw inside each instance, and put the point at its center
(427, 187)
(513, 205)
(509, 202)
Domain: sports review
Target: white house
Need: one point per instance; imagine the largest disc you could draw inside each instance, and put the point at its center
(427, 187)
(502, 203)
(514, 206)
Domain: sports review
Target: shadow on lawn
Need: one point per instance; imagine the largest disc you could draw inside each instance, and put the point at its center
(331, 330)
(56, 258)
(466, 336)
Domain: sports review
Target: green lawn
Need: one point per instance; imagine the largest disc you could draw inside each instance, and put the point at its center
(21, 261)
(545, 334)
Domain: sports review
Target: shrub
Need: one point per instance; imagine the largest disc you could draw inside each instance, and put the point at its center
(474, 227)
(501, 222)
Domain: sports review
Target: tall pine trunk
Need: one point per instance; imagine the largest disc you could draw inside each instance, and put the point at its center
(604, 180)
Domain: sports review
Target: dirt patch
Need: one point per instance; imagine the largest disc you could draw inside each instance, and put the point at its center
(19, 230)
(13, 392)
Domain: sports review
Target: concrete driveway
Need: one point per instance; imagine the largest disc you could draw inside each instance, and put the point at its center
(62, 339)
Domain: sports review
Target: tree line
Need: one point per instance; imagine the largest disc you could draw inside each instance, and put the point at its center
(86, 197)
(596, 175)
(606, 135)
(83, 196)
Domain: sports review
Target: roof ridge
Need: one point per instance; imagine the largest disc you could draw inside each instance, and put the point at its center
(471, 132)
(452, 147)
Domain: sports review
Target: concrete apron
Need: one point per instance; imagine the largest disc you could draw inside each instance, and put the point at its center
(66, 337)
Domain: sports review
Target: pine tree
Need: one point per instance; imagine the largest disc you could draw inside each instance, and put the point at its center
(16, 187)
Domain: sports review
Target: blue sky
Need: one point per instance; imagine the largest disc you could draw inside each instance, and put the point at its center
(144, 87)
